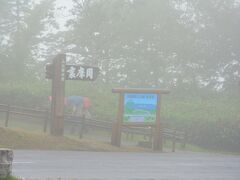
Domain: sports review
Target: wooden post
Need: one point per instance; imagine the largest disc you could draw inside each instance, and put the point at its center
(132, 135)
(7, 116)
(151, 134)
(127, 135)
(58, 94)
(117, 126)
(82, 127)
(46, 121)
(158, 135)
(184, 140)
(114, 134)
(174, 141)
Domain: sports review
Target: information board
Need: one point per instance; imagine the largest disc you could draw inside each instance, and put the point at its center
(140, 108)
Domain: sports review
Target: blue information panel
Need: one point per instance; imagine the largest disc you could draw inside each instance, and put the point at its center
(140, 108)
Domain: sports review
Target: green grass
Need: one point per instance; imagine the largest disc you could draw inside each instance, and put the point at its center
(190, 109)
(10, 178)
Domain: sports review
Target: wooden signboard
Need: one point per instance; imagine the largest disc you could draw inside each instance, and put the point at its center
(75, 72)
(80, 72)
(139, 107)
(58, 71)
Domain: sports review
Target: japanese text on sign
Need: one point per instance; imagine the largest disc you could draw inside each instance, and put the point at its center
(74, 72)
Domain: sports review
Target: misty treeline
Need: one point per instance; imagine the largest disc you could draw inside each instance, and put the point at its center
(175, 44)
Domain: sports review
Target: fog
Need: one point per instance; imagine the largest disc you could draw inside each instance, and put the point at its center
(189, 48)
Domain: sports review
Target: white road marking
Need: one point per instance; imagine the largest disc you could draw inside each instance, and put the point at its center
(23, 162)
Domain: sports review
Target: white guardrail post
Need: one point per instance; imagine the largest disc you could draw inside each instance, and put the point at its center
(6, 158)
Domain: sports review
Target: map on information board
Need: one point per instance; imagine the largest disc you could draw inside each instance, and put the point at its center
(140, 108)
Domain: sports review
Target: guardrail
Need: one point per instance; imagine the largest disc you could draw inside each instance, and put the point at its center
(172, 134)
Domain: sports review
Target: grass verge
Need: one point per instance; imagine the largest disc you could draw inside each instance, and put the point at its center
(10, 178)
(19, 139)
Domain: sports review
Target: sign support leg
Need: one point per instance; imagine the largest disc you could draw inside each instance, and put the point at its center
(117, 126)
(158, 138)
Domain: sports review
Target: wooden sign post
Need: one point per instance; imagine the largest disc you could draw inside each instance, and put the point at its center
(58, 71)
(139, 108)
(58, 95)
(117, 125)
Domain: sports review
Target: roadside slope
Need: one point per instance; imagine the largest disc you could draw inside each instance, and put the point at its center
(19, 139)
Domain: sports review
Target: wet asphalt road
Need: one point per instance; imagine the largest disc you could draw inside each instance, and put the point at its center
(121, 165)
